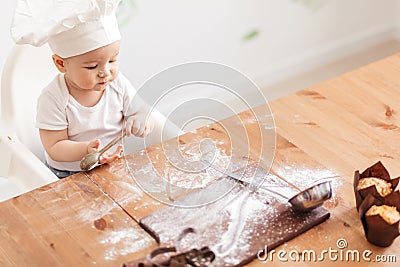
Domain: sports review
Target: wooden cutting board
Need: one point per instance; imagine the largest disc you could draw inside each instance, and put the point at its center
(235, 226)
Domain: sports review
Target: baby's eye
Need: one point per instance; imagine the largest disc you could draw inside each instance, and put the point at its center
(91, 67)
(112, 61)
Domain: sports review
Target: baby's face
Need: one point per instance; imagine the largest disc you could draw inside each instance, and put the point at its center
(93, 70)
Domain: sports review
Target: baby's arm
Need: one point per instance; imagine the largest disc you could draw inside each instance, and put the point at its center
(59, 148)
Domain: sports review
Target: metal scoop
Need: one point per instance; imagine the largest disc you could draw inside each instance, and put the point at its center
(305, 200)
(89, 160)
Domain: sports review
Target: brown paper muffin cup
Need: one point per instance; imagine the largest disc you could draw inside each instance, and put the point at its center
(357, 195)
(379, 232)
(393, 200)
(376, 229)
(367, 203)
(376, 170)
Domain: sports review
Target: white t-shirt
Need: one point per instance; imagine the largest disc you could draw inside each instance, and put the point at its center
(58, 110)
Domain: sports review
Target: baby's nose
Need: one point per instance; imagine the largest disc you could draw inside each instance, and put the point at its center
(104, 73)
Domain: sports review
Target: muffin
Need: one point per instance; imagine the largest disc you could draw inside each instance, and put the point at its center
(382, 224)
(375, 186)
(388, 213)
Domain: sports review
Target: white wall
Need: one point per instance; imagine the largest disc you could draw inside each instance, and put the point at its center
(292, 36)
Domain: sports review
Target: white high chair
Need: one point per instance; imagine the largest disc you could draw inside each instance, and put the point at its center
(26, 72)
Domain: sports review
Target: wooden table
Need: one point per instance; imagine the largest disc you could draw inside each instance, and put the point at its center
(341, 125)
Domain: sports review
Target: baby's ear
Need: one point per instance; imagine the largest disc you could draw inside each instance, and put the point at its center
(59, 62)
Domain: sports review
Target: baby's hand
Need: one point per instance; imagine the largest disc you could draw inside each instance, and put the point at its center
(139, 125)
(93, 146)
(108, 157)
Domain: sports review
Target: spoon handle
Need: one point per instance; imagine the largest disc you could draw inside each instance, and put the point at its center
(285, 180)
(239, 179)
(111, 143)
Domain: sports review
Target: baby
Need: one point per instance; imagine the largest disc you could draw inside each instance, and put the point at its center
(89, 102)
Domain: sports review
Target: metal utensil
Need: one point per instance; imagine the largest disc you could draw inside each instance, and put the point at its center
(305, 200)
(89, 160)
(312, 197)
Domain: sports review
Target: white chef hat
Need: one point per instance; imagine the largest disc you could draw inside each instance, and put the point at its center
(71, 27)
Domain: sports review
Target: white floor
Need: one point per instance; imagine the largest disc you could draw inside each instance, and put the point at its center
(313, 77)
